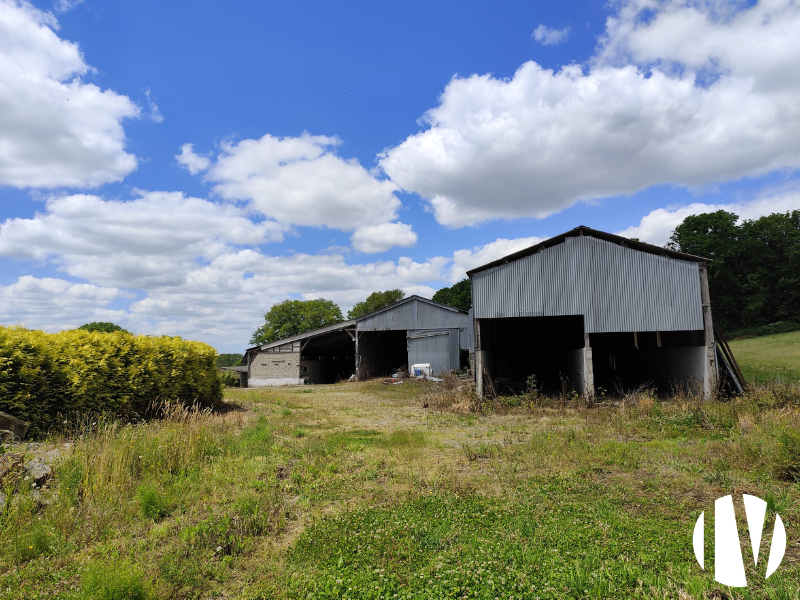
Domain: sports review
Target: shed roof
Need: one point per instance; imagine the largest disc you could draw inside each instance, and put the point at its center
(588, 231)
(352, 322)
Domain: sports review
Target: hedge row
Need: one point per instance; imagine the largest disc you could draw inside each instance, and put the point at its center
(46, 375)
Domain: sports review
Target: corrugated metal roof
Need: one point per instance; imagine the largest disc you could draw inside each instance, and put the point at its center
(414, 312)
(582, 230)
(615, 288)
(308, 334)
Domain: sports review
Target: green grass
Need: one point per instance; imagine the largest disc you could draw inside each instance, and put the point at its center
(365, 494)
(769, 359)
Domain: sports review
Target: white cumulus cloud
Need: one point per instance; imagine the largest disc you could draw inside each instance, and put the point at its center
(50, 303)
(194, 163)
(55, 130)
(302, 181)
(379, 238)
(536, 143)
(145, 243)
(657, 226)
(547, 36)
(469, 258)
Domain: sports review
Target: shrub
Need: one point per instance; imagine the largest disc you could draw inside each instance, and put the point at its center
(229, 379)
(45, 376)
(116, 581)
(787, 458)
(154, 503)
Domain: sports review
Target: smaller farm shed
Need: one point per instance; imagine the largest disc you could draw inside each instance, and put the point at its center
(591, 310)
(411, 331)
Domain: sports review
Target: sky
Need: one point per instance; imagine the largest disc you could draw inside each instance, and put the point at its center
(179, 167)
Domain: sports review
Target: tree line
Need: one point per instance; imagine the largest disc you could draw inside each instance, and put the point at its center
(754, 273)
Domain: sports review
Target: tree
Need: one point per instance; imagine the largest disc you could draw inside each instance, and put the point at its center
(229, 360)
(292, 317)
(102, 327)
(375, 301)
(771, 262)
(754, 276)
(716, 236)
(457, 296)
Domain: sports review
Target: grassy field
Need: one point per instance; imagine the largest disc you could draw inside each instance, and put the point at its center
(365, 490)
(769, 359)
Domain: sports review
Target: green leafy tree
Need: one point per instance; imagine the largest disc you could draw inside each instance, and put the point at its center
(229, 360)
(375, 301)
(458, 296)
(771, 262)
(102, 327)
(292, 317)
(754, 278)
(716, 236)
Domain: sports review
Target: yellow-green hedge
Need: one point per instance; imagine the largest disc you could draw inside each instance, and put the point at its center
(44, 375)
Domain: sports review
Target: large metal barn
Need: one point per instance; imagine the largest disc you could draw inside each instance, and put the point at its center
(412, 331)
(590, 310)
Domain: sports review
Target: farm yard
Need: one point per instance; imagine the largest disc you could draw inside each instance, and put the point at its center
(382, 301)
(367, 490)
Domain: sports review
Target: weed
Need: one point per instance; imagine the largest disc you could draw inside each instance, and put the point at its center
(777, 502)
(257, 439)
(405, 439)
(34, 542)
(719, 478)
(153, 502)
(787, 457)
(115, 581)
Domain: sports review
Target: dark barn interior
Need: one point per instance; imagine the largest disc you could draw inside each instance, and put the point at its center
(382, 352)
(328, 358)
(547, 347)
(624, 361)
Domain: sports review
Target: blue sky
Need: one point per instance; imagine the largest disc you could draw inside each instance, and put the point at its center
(179, 167)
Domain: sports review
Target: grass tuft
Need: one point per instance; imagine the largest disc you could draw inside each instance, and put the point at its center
(115, 581)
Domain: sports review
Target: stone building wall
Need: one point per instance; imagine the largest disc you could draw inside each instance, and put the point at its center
(275, 368)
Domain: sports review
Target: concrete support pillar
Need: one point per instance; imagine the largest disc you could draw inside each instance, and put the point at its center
(710, 358)
(478, 358)
(358, 359)
(588, 369)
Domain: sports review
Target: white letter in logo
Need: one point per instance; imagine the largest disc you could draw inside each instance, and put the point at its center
(728, 562)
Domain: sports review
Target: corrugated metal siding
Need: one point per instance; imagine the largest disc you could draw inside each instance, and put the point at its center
(414, 315)
(613, 287)
(441, 350)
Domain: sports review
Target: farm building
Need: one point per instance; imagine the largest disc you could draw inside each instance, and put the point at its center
(591, 310)
(412, 331)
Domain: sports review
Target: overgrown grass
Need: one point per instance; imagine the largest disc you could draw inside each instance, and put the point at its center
(772, 359)
(379, 496)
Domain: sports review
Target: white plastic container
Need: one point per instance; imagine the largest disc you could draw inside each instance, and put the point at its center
(421, 370)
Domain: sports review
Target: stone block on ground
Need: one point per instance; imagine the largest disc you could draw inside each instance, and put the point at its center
(14, 424)
(38, 471)
(8, 463)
